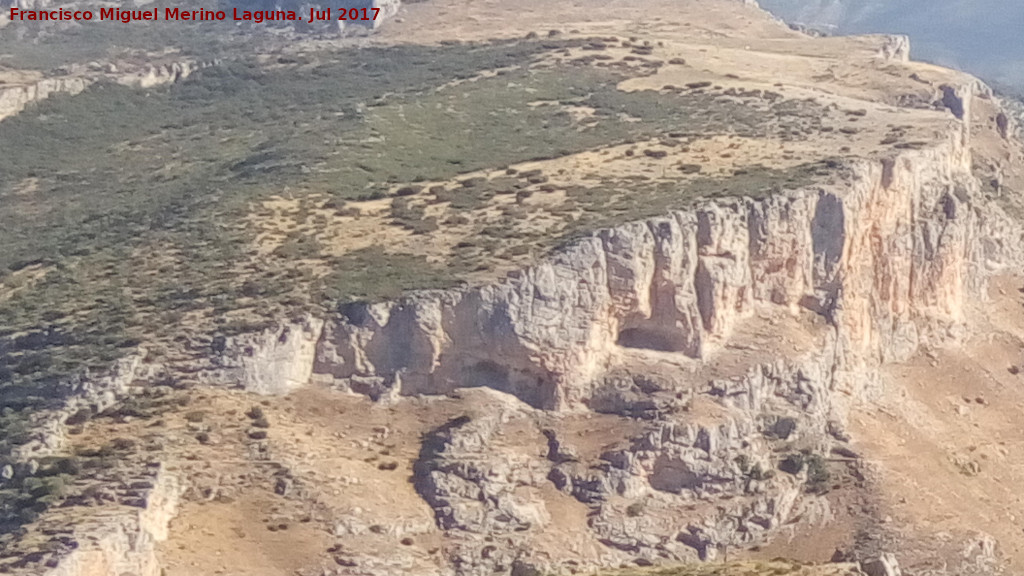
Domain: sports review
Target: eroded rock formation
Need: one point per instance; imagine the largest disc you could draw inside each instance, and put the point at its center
(768, 316)
(14, 97)
(888, 256)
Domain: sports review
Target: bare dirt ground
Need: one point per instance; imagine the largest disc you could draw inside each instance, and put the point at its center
(946, 435)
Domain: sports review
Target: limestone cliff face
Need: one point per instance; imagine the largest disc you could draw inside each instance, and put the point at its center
(16, 97)
(126, 543)
(888, 254)
(157, 74)
(13, 99)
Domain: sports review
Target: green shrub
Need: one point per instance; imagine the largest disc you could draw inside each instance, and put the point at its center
(792, 463)
(743, 461)
(195, 416)
(818, 475)
(41, 487)
(635, 509)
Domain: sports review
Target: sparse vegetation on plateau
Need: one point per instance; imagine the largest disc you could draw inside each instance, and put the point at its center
(127, 205)
(127, 212)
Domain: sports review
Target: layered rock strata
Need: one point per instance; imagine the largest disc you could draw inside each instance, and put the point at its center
(17, 96)
(888, 255)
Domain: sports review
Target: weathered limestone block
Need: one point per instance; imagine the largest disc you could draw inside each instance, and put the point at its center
(888, 255)
(273, 362)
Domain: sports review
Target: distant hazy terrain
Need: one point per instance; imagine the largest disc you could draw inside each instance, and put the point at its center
(980, 36)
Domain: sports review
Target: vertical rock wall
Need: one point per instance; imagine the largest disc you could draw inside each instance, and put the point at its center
(126, 543)
(888, 253)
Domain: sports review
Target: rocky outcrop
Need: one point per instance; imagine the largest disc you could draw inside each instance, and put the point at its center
(888, 255)
(125, 543)
(895, 48)
(726, 465)
(691, 483)
(14, 99)
(273, 362)
(470, 488)
(83, 393)
(156, 74)
(74, 79)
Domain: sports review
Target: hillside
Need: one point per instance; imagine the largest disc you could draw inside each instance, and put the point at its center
(507, 288)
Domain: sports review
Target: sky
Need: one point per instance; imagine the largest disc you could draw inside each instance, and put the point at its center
(984, 37)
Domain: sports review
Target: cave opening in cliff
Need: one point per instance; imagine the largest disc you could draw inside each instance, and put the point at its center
(534, 388)
(657, 339)
(486, 374)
